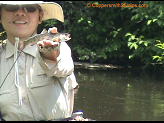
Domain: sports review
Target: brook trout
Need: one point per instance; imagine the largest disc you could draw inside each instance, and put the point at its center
(51, 35)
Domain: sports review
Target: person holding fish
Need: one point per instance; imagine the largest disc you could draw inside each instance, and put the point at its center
(37, 78)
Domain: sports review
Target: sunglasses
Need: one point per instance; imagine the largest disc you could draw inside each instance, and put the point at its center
(26, 8)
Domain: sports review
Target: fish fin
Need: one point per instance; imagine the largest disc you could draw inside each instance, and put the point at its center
(44, 31)
(53, 30)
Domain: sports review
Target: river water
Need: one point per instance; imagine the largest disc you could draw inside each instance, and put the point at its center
(119, 95)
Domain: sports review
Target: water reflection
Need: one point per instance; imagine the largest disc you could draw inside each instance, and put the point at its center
(119, 95)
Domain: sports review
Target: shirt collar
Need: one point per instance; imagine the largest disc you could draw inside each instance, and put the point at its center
(31, 50)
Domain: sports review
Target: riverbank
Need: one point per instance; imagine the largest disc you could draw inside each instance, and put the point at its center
(96, 66)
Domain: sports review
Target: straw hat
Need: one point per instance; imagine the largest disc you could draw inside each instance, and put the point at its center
(51, 10)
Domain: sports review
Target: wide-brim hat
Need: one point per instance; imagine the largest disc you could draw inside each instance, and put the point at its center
(51, 10)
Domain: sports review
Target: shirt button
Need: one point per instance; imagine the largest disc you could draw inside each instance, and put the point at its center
(23, 98)
(21, 72)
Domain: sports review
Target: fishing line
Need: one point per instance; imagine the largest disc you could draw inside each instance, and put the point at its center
(10, 70)
(13, 64)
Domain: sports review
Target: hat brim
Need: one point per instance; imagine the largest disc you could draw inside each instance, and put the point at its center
(51, 10)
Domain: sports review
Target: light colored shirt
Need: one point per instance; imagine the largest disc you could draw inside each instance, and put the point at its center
(46, 86)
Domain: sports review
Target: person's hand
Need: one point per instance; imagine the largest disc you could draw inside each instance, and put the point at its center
(49, 49)
(48, 46)
(79, 118)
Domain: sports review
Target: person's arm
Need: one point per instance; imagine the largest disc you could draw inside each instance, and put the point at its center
(60, 65)
(50, 56)
(0, 117)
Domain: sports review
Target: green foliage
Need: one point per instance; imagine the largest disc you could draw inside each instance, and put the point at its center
(160, 55)
(96, 36)
(143, 40)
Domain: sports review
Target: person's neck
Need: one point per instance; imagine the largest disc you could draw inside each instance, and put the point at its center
(12, 39)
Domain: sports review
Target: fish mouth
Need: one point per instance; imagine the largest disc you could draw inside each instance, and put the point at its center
(68, 37)
(19, 22)
(65, 37)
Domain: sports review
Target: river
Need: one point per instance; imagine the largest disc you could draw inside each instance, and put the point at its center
(119, 95)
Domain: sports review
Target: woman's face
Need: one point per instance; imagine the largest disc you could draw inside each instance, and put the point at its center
(20, 23)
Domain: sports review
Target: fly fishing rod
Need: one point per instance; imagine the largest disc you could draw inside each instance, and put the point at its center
(10, 70)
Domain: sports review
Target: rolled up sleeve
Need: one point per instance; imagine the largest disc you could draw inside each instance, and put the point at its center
(64, 65)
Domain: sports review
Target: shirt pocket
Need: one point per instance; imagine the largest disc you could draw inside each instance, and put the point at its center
(5, 92)
(40, 79)
(6, 98)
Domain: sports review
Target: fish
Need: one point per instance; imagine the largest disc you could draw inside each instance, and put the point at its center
(47, 35)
